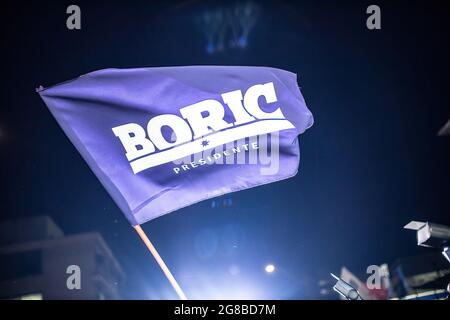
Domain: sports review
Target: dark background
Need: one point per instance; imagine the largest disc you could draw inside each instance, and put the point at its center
(371, 163)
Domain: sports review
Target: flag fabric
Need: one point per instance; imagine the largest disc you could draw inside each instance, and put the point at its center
(160, 139)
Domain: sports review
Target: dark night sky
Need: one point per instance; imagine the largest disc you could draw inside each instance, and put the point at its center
(371, 162)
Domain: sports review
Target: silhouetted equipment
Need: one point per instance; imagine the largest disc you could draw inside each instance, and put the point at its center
(424, 277)
(446, 253)
(345, 290)
(430, 234)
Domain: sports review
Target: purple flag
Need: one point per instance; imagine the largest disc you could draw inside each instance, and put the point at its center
(160, 139)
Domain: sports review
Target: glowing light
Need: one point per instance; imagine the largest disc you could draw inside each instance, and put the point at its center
(234, 270)
(270, 268)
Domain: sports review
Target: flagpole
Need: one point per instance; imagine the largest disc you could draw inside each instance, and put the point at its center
(160, 261)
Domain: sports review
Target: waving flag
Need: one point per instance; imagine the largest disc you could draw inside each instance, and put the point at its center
(160, 139)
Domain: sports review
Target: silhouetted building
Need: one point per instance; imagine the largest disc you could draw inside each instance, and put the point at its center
(35, 260)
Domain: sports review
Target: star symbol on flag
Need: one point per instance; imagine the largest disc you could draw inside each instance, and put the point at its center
(205, 143)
